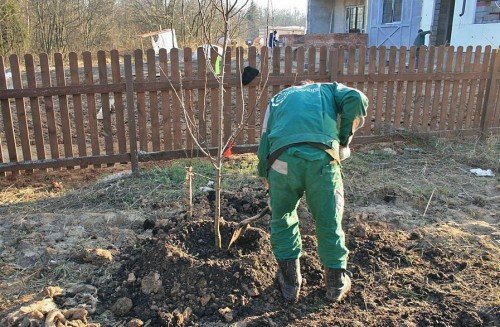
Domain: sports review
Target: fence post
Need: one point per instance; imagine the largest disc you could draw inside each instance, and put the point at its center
(334, 54)
(132, 132)
(490, 104)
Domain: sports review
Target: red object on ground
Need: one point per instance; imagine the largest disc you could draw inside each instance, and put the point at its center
(227, 153)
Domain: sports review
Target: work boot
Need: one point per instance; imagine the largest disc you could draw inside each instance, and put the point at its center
(289, 279)
(338, 283)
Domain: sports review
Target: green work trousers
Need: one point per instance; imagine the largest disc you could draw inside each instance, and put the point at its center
(307, 169)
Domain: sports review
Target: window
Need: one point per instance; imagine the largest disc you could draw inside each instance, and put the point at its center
(355, 19)
(487, 12)
(391, 11)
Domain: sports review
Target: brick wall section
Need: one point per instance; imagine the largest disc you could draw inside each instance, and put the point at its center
(319, 40)
(487, 12)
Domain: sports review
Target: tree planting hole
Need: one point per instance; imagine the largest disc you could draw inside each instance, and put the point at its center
(198, 240)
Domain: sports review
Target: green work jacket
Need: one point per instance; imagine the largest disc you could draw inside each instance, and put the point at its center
(309, 113)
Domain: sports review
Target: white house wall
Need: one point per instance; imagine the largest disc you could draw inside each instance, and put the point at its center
(427, 14)
(465, 32)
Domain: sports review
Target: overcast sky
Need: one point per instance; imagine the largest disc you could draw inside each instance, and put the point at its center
(284, 4)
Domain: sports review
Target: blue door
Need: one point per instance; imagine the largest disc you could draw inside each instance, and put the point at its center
(393, 22)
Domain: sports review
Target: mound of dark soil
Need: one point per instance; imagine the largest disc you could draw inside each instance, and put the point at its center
(177, 278)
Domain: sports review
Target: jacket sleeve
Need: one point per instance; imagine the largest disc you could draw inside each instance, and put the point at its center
(264, 146)
(352, 105)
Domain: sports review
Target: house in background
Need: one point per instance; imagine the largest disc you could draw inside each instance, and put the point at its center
(464, 22)
(393, 22)
(336, 16)
(396, 22)
(452, 22)
(281, 31)
(335, 22)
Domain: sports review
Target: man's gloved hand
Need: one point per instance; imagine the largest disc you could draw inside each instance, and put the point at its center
(344, 152)
(266, 187)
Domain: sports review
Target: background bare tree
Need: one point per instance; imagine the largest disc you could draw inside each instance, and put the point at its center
(12, 29)
(31, 26)
(93, 23)
(53, 21)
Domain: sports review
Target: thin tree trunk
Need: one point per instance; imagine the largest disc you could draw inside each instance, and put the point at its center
(218, 187)
(220, 146)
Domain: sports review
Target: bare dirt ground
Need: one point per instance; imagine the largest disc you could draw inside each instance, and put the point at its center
(97, 247)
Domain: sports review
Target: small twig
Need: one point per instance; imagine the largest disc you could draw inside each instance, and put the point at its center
(428, 202)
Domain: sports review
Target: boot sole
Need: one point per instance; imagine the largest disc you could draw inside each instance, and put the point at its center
(342, 296)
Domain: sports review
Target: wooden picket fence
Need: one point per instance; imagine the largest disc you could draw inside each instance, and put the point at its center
(49, 116)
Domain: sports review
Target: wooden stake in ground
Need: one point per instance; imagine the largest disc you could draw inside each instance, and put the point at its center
(189, 191)
(428, 202)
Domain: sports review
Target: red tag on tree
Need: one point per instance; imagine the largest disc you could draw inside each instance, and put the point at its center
(227, 153)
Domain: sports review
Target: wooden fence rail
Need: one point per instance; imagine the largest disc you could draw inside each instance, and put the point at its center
(105, 108)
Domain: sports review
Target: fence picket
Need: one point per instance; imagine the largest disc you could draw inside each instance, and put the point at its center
(35, 108)
(142, 115)
(311, 62)
(239, 116)
(482, 87)
(380, 86)
(77, 106)
(398, 114)
(264, 69)
(165, 102)
(322, 60)
(63, 108)
(188, 100)
(176, 103)
(252, 98)
(426, 111)
(437, 90)
(7, 118)
(228, 117)
(276, 67)
(92, 114)
(389, 109)
(350, 66)
(132, 130)
(455, 87)
(288, 63)
(409, 90)
(361, 68)
(340, 64)
(153, 101)
(462, 105)
(202, 99)
(214, 103)
(446, 89)
(300, 61)
(476, 67)
(105, 106)
(367, 128)
(119, 106)
(22, 120)
(423, 53)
